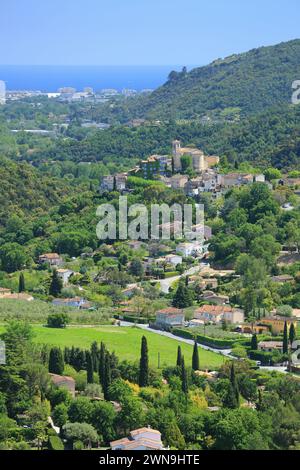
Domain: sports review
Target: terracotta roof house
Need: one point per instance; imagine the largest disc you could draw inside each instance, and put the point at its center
(169, 317)
(218, 313)
(54, 259)
(270, 346)
(139, 439)
(64, 381)
(210, 296)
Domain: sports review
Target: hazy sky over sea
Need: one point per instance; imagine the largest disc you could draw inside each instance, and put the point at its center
(138, 32)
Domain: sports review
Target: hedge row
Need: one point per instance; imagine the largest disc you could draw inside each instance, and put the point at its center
(267, 358)
(55, 443)
(134, 319)
(217, 343)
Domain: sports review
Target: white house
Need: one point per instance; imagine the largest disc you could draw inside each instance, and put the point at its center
(189, 249)
(64, 275)
(174, 259)
(139, 439)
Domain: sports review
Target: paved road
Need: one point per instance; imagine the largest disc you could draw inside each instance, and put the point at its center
(165, 284)
(224, 352)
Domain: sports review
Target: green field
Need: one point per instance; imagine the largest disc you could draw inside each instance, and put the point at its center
(125, 341)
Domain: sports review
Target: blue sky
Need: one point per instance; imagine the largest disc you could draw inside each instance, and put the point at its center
(140, 32)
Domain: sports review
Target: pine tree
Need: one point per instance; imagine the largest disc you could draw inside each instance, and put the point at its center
(89, 367)
(195, 360)
(182, 297)
(254, 345)
(56, 361)
(179, 356)
(234, 384)
(292, 334)
(285, 346)
(56, 284)
(21, 283)
(184, 379)
(144, 364)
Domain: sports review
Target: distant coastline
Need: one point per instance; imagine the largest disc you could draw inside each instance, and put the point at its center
(48, 78)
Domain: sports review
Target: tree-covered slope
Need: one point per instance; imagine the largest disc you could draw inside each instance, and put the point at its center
(23, 189)
(268, 138)
(250, 81)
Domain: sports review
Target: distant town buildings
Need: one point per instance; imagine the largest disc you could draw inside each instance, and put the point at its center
(113, 183)
(200, 162)
(2, 92)
(154, 166)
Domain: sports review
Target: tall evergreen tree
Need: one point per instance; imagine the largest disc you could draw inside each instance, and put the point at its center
(285, 345)
(95, 356)
(56, 361)
(254, 344)
(89, 367)
(144, 364)
(195, 360)
(184, 378)
(179, 356)
(56, 284)
(183, 297)
(102, 354)
(21, 283)
(107, 375)
(234, 384)
(292, 333)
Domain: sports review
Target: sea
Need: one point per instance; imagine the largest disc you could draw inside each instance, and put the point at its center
(48, 78)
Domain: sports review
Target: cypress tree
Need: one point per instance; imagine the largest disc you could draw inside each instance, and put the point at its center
(285, 346)
(95, 356)
(89, 368)
(102, 364)
(254, 345)
(292, 334)
(234, 384)
(195, 360)
(107, 375)
(56, 361)
(179, 356)
(21, 283)
(56, 284)
(144, 364)
(184, 379)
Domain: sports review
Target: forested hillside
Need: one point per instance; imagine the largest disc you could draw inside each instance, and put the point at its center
(269, 138)
(24, 190)
(248, 83)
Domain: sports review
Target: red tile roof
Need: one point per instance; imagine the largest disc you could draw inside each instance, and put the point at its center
(214, 309)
